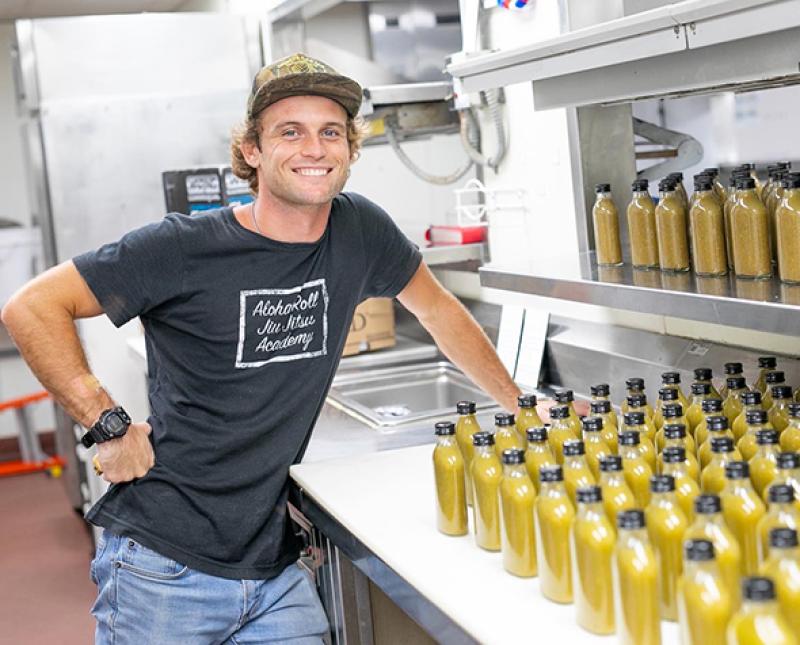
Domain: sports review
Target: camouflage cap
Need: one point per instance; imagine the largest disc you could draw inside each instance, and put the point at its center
(301, 75)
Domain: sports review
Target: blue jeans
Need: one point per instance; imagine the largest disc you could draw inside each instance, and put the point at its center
(144, 598)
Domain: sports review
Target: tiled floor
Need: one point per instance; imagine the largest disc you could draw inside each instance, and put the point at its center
(45, 551)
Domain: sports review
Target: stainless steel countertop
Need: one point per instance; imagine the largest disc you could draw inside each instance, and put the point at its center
(337, 434)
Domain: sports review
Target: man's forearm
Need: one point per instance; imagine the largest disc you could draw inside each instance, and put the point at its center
(464, 342)
(49, 343)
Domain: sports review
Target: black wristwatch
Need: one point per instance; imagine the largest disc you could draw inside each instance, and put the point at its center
(112, 424)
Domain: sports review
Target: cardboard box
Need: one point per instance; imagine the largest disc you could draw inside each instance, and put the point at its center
(372, 327)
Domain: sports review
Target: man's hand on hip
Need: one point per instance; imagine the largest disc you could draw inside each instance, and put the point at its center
(128, 457)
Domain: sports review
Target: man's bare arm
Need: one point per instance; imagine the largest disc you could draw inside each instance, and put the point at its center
(458, 336)
(41, 319)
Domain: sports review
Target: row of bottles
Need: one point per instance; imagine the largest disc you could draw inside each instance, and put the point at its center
(684, 471)
(746, 229)
(655, 565)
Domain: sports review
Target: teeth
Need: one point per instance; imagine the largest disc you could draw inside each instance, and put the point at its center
(312, 172)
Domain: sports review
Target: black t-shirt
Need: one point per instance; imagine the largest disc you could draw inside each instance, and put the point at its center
(243, 338)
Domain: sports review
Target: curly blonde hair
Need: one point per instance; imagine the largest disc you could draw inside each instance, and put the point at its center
(249, 130)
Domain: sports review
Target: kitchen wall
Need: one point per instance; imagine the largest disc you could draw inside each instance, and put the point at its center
(15, 204)
(15, 378)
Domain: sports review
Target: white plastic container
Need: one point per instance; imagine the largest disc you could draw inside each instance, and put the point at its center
(20, 258)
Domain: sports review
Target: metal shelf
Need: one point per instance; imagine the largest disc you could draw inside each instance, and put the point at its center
(764, 305)
(690, 47)
(454, 253)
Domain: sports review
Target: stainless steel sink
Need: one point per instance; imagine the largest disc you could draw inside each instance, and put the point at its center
(393, 396)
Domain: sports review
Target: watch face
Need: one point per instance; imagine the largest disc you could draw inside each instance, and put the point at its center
(115, 424)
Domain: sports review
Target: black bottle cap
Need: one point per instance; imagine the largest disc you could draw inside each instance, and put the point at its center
(674, 455)
(775, 377)
(551, 474)
(721, 444)
(717, 422)
(735, 382)
(676, 175)
(767, 362)
(536, 435)
(758, 589)
(513, 456)
(674, 431)
(466, 407)
(703, 374)
(631, 520)
(602, 188)
(788, 460)
(526, 400)
(714, 172)
(601, 389)
(710, 406)
(699, 389)
(707, 504)
(592, 424)
(599, 407)
(483, 439)
(574, 447)
(635, 418)
(672, 410)
(668, 394)
(794, 410)
(786, 165)
(753, 417)
(637, 400)
(610, 463)
(733, 368)
(746, 166)
(670, 378)
(737, 470)
(662, 483)
(503, 419)
(640, 186)
(564, 396)
(781, 494)
(444, 428)
(792, 180)
(782, 537)
(745, 183)
(634, 383)
(666, 185)
(752, 397)
(698, 550)
(767, 437)
(559, 412)
(781, 392)
(630, 438)
(732, 181)
(589, 495)
(703, 182)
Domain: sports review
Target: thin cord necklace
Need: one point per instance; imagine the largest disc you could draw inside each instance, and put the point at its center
(253, 213)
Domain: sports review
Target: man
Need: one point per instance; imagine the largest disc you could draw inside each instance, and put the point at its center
(245, 312)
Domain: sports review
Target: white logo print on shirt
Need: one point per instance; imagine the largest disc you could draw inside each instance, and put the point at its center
(278, 325)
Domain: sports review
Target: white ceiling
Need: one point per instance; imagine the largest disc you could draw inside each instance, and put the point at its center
(14, 9)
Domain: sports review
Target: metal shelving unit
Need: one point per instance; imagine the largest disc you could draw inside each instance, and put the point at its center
(764, 305)
(690, 47)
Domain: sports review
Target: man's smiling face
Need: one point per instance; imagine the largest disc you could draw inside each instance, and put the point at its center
(305, 155)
